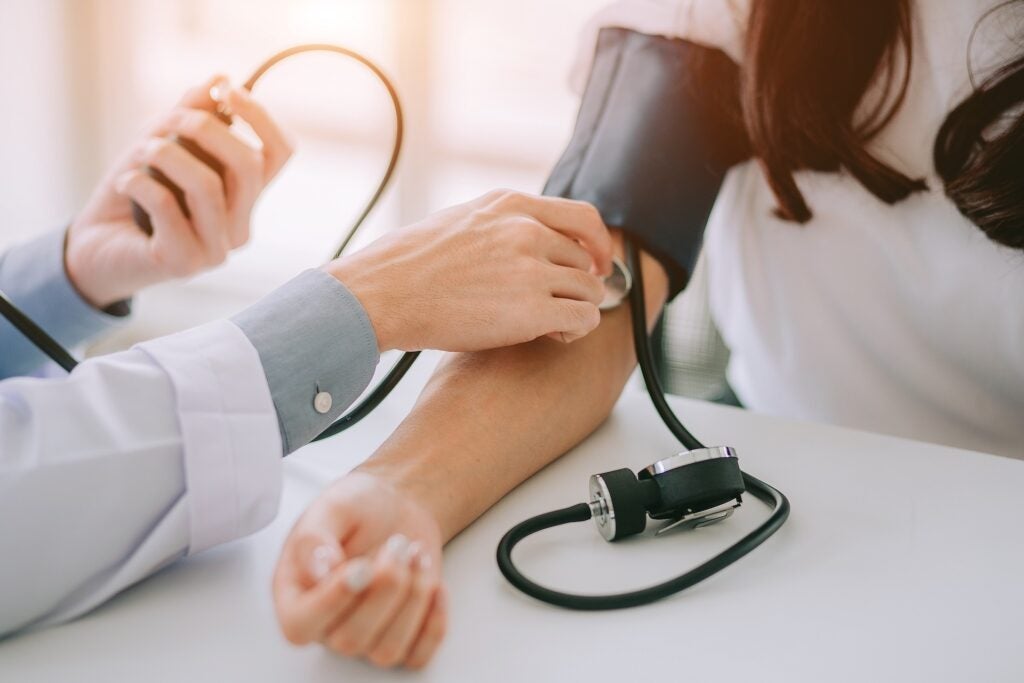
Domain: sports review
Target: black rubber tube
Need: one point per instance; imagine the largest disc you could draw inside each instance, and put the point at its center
(368, 404)
(35, 334)
(396, 103)
(578, 513)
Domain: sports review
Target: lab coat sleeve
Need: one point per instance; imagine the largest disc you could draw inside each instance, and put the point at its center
(142, 457)
(32, 276)
(132, 461)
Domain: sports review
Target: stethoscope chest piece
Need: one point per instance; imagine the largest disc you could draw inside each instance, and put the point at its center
(690, 489)
(616, 286)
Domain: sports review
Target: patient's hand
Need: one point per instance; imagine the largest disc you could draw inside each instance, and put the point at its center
(361, 573)
(485, 422)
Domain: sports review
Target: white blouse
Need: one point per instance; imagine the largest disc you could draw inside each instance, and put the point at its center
(900, 319)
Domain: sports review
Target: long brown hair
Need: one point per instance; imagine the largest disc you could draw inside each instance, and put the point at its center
(809, 65)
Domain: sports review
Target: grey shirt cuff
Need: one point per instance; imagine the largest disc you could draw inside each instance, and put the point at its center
(318, 350)
(34, 278)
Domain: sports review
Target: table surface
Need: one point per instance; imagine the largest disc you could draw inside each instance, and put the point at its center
(900, 561)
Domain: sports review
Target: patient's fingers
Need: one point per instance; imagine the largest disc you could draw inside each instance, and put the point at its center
(312, 558)
(396, 641)
(313, 583)
(307, 615)
(357, 629)
(432, 633)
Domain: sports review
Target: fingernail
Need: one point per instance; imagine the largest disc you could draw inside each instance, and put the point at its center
(412, 552)
(424, 562)
(358, 575)
(395, 547)
(323, 560)
(121, 183)
(219, 90)
(152, 146)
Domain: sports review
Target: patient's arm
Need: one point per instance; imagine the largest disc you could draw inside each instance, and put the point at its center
(487, 421)
(360, 571)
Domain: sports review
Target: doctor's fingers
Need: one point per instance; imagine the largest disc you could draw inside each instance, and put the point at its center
(563, 251)
(568, 320)
(243, 164)
(174, 245)
(204, 194)
(355, 631)
(572, 283)
(200, 96)
(307, 615)
(277, 148)
(196, 97)
(577, 220)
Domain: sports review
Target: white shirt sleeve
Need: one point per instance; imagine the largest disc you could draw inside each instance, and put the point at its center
(133, 461)
(718, 24)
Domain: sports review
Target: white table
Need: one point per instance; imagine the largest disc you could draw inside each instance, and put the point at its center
(901, 561)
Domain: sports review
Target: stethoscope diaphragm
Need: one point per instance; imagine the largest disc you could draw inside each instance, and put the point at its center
(616, 286)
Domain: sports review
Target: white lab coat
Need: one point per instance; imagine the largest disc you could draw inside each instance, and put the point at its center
(135, 460)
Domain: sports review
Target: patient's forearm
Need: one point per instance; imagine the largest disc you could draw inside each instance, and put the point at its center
(487, 421)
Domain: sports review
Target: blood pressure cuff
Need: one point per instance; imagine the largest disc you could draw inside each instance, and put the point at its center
(658, 128)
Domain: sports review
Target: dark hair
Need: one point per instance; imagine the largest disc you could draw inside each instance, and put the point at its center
(808, 67)
(985, 176)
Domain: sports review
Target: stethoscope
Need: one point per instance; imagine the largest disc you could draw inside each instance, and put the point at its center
(694, 488)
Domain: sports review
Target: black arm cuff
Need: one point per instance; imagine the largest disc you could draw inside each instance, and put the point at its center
(659, 126)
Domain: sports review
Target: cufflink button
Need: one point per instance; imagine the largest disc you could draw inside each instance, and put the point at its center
(322, 402)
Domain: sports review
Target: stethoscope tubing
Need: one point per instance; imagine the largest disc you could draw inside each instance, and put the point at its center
(401, 368)
(581, 512)
(37, 335)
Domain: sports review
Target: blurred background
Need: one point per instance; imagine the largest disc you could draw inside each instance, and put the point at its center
(484, 86)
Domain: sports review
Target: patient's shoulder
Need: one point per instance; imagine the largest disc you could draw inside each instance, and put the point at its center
(719, 24)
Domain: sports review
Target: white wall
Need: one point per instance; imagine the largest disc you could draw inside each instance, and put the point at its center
(38, 189)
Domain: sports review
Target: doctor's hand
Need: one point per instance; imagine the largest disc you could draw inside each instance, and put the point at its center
(361, 573)
(502, 270)
(108, 258)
